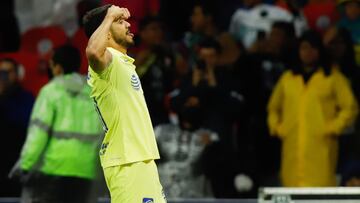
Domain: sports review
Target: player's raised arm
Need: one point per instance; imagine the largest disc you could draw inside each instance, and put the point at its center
(99, 58)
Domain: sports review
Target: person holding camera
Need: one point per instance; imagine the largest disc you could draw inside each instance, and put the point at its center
(208, 87)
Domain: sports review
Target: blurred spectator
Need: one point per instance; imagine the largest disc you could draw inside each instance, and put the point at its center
(33, 72)
(59, 158)
(350, 18)
(255, 20)
(181, 147)
(209, 87)
(339, 44)
(37, 13)
(202, 27)
(11, 93)
(155, 66)
(231, 51)
(138, 9)
(9, 34)
(310, 107)
(340, 47)
(257, 73)
(235, 60)
(15, 109)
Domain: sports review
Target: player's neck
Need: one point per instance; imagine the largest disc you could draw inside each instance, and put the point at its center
(118, 47)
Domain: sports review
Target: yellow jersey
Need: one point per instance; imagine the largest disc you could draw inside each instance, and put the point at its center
(120, 103)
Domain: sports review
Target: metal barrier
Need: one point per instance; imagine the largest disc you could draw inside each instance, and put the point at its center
(310, 195)
(105, 200)
(274, 195)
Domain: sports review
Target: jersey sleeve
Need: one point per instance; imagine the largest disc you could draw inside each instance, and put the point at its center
(100, 82)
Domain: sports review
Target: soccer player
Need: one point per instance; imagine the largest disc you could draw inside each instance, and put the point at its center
(129, 147)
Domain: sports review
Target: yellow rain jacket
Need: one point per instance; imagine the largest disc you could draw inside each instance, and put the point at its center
(308, 118)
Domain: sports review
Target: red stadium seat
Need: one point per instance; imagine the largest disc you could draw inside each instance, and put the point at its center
(42, 40)
(33, 71)
(79, 40)
(320, 16)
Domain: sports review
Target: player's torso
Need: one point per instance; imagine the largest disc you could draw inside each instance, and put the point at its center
(130, 135)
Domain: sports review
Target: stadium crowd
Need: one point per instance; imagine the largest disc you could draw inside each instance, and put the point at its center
(242, 94)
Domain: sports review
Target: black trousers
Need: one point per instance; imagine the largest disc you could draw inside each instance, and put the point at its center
(42, 188)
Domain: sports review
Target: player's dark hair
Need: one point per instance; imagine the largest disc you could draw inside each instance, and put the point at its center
(68, 57)
(94, 18)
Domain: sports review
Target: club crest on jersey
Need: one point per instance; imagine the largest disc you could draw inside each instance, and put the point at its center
(135, 82)
(148, 200)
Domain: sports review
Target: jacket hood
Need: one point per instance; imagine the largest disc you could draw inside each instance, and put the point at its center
(72, 82)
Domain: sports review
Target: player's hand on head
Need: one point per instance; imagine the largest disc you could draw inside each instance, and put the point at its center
(117, 12)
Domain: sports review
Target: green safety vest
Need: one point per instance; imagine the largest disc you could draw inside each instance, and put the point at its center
(64, 131)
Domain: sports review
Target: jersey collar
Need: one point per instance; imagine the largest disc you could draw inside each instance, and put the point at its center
(124, 57)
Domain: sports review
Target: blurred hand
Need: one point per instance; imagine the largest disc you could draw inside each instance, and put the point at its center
(16, 173)
(205, 138)
(196, 76)
(210, 77)
(116, 12)
(192, 102)
(243, 183)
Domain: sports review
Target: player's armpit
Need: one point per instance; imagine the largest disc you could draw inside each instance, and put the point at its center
(99, 63)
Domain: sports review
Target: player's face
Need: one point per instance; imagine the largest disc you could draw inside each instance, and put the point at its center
(120, 31)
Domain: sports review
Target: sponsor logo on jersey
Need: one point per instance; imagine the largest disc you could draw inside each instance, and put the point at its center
(148, 200)
(135, 82)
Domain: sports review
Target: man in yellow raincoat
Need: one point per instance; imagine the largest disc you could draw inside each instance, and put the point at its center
(308, 115)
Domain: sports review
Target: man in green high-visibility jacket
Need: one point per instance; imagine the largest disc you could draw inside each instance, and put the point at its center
(60, 156)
